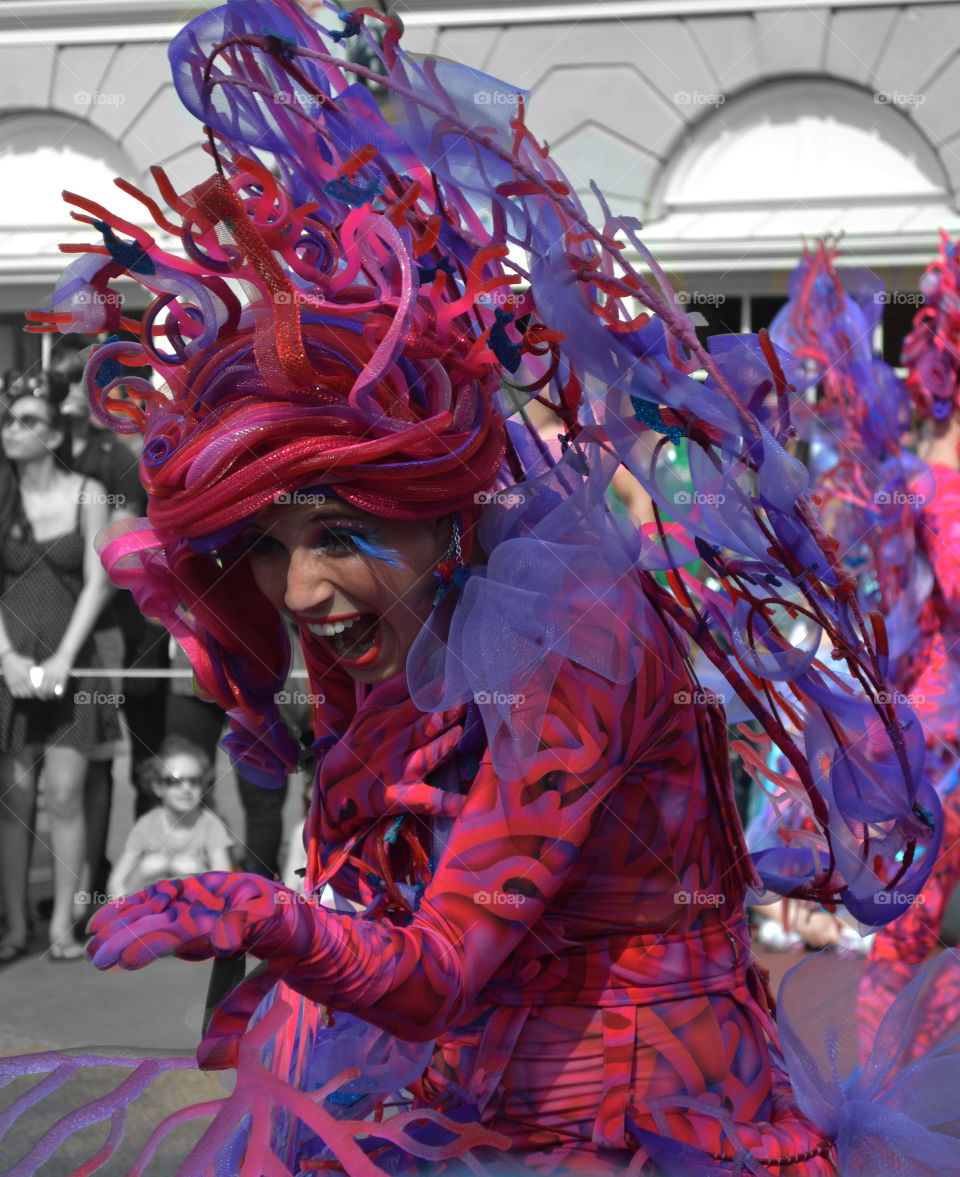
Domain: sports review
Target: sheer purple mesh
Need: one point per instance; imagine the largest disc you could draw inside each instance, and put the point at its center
(892, 1115)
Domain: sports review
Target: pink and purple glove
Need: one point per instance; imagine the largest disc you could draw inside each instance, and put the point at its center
(215, 914)
(212, 915)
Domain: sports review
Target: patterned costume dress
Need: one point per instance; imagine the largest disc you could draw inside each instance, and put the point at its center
(602, 976)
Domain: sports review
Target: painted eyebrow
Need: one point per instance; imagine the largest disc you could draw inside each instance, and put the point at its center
(318, 516)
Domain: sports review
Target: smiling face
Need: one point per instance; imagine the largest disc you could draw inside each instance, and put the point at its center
(362, 585)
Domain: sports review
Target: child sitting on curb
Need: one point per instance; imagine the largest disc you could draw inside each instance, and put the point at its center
(181, 836)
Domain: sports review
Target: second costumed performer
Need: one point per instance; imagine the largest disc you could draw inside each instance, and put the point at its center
(520, 788)
(931, 668)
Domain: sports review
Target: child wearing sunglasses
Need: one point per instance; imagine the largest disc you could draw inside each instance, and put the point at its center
(181, 836)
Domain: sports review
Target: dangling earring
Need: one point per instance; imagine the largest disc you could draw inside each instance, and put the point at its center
(451, 571)
(452, 554)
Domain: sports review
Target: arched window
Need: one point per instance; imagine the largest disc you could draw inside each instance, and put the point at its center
(791, 160)
(822, 146)
(41, 153)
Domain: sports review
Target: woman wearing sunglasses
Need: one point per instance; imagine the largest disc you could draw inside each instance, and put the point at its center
(53, 588)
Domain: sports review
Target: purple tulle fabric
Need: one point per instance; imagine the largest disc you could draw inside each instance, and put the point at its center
(876, 489)
(897, 1113)
(357, 1065)
(523, 609)
(556, 587)
(894, 1114)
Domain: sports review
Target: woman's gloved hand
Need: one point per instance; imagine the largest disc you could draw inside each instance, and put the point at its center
(214, 914)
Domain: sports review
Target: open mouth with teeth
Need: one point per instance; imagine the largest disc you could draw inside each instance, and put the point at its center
(351, 638)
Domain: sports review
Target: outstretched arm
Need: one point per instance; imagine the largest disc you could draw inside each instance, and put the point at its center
(509, 853)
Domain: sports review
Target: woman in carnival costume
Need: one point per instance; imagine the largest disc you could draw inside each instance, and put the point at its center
(896, 518)
(521, 790)
(868, 484)
(931, 353)
(928, 651)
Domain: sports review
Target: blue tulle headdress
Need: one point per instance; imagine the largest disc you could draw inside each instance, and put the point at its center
(873, 485)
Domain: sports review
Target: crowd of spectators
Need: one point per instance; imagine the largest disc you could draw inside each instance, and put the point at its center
(62, 478)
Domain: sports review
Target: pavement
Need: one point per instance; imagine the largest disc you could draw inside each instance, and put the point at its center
(47, 1005)
(50, 1005)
